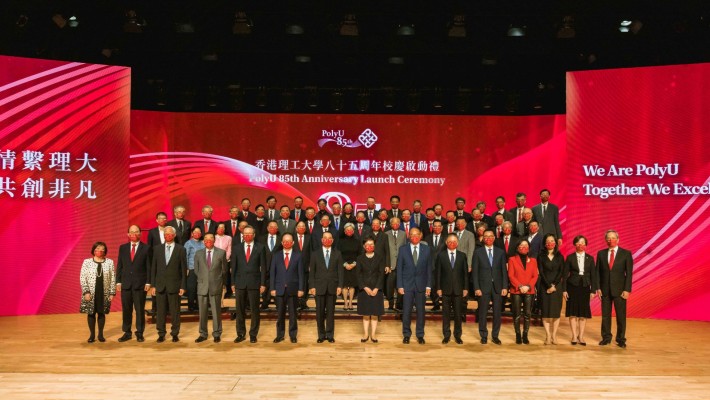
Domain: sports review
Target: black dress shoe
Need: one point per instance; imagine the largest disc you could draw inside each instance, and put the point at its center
(217, 339)
(278, 340)
(405, 340)
(176, 338)
(484, 340)
(232, 316)
(125, 337)
(200, 339)
(458, 340)
(604, 342)
(90, 340)
(294, 340)
(421, 340)
(320, 340)
(621, 344)
(252, 340)
(495, 340)
(102, 339)
(161, 339)
(239, 339)
(582, 343)
(331, 340)
(140, 338)
(445, 341)
(374, 340)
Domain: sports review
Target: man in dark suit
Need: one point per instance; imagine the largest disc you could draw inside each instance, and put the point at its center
(248, 269)
(481, 207)
(302, 244)
(507, 242)
(427, 225)
(394, 210)
(322, 205)
(181, 225)
(500, 209)
(231, 226)
(460, 210)
(437, 243)
(362, 228)
(407, 224)
(414, 267)
(535, 239)
(167, 280)
(519, 209)
(490, 283)
(260, 221)
(615, 268)
(325, 283)
(522, 228)
(418, 217)
(156, 235)
(271, 213)
(451, 283)
(298, 213)
(395, 241)
(371, 210)
(287, 284)
(272, 243)
(246, 215)
(548, 215)
(317, 234)
(206, 224)
(132, 282)
(211, 269)
(339, 219)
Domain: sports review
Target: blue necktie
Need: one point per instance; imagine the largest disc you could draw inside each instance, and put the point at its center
(337, 224)
(167, 254)
(327, 258)
(452, 260)
(490, 257)
(271, 243)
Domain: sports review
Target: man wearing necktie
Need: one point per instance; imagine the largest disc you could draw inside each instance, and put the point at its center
(211, 269)
(284, 222)
(325, 282)
(132, 282)
(414, 272)
(168, 280)
(615, 268)
(451, 284)
(490, 283)
(249, 271)
(395, 241)
(181, 225)
(286, 285)
(272, 241)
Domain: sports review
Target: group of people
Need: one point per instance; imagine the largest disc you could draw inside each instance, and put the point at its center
(399, 255)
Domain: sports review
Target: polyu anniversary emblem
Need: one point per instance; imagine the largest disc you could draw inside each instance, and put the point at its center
(367, 138)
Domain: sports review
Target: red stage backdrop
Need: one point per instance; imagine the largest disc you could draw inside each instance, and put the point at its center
(64, 133)
(637, 162)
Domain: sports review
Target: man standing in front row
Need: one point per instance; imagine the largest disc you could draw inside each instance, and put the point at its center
(326, 282)
(168, 277)
(490, 282)
(286, 284)
(248, 281)
(451, 284)
(414, 266)
(211, 271)
(615, 268)
(132, 282)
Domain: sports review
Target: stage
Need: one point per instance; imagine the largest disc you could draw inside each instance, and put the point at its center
(47, 357)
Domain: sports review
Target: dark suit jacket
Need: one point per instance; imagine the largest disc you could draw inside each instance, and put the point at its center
(210, 281)
(440, 246)
(291, 226)
(570, 273)
(133, 274)
(522, 229)
(382, 247)
(259, 226)
(249, 274)
(341, 223)
(301, 217)
(426, 230)
(317, 235)
(169, 277)
(507, 216)
(535, 245)
(181, 237)
(201, 224)
(467, 216)
(153, 237)
(551, 222)
(269, 253)
(366, 231)
(374, 277)
(451, 281)
(326, 280)
(286, 281)
(250, 218)
(307, 249)
(489, 279)
(618, 279)
(512, 245)
(414, 277)
(228, 228)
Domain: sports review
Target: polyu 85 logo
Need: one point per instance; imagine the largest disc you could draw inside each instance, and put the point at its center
(367, 138)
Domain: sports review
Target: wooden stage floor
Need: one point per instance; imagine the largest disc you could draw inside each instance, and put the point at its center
(47, 357)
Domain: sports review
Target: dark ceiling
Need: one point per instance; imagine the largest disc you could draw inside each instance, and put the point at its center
(415, 56)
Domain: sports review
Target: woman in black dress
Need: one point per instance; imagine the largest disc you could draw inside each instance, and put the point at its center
(371, 279)
(98, 287)
(551, 264)
(577, 288)
(350, 248)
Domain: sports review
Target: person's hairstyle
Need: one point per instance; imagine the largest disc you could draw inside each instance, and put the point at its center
(452, 236)
(234, 208)
(533, 222)
(207, 207)
(525, 241)
(481, 224)
(222, 225)
(247, 199)
(160, 213)
(428, 209)
(611, 231)
(545, 190)
(258, 206)
(507, 223)
(360, 212)
(286, 207)
(97, 244)
(324, 216)
(321, 200)
(544, 240)
(480, 203)
(417, 201)
(178, 207)
(368, 238)
(349, 225)
(395, 197)
(197, 228)
(283, 237)
(208, 236)
(298, 197)
(169, 228)
(249, 227)
(520, 194)
(396, 220)
(310, 208)
(460, 199)
(131, 226)
(578, 238)
(415, 230)
(437, 221)
(500, 198)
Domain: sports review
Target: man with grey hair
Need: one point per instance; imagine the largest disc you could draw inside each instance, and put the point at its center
(395, 240)
(615, 268)
(181, 225)
(211, 271)
(167, 281)
(206, 224)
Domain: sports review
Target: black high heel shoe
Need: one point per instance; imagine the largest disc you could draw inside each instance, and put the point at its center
(374, 340)
(364, 340)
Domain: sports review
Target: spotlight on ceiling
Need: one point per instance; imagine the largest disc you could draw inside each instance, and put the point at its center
(348, 27)
(567, 30)
(457, 28)
(516, 30)
(405, 30)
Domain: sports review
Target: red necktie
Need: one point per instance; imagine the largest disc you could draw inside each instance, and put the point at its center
(234, 228)
(207, 226)
(520, 214)
(310, 226)
(499, 230)
(133, 251)
(245, 214)
(406, 229)
(451, 228)
(286, 261)
(506, 245)
(359, 229)
(248, 251)
(209, 259)
(611, 259)
(300, 242)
